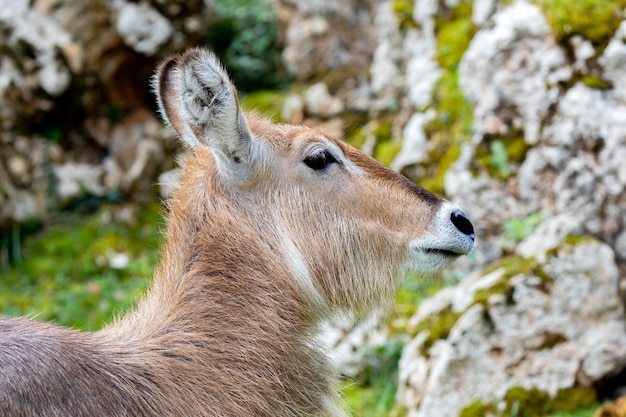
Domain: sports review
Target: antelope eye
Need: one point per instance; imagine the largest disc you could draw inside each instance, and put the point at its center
(319, 159)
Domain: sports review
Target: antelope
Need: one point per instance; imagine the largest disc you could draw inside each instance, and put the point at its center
(273, 230)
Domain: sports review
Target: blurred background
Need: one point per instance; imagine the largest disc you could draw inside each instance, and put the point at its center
(515, 110)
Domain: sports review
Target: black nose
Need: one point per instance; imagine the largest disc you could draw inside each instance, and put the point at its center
(460, 220)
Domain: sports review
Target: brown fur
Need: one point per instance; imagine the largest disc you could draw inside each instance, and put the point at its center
(228, 327)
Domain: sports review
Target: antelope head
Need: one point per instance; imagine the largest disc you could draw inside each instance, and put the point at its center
(345, 227)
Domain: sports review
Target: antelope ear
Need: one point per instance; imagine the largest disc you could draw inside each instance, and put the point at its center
(197, 98)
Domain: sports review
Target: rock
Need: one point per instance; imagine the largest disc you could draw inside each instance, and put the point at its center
(19, 170)
(118, 260)
(414, 147)
(613, 60)
(578, 168)
(142, 27)
(76, 179)
(293, 109)
(324, 35)
(319, 102)
(386, 74)
(31, 62)
(481, 11)
(422, 71)
(548, 236)
(551, 328)
(136, 150)
(513, 64)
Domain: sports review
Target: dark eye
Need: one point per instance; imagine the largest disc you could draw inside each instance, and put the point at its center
(319, 159)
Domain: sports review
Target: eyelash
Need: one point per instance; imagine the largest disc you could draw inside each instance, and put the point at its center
(319, 159)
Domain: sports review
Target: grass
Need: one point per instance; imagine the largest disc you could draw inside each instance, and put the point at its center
(83, 270)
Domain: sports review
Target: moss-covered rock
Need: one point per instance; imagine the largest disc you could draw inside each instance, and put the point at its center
(451, 127)
(501, 156)
(438, 327)
(523, 402)
(454, 114)
(535, 403)
(404, 10)
(583, 17)
(479, 409)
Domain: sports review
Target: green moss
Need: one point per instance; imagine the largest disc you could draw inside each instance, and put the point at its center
(520, 402)
(595, 82)
(446, 133)
(535, 403)
(357, 137)
(511, 266)
(446, 15)
(550, 340)
(453, 122)
(519, 228)
(577, 240)
(500, 156)
(266, 103)
(385, 152)
(408, 298)
(452, 41)
(438, 327)
(479, 409)
(386, 147)
(527, 403)
(404, 11)
(569, 241)
(515, 265)
(501, 287)
(595, 20)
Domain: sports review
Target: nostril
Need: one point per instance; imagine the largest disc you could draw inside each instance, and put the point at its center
(461, 222)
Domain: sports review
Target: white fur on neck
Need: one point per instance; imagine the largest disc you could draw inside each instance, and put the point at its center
(302, 275)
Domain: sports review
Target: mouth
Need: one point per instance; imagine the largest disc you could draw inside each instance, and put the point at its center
(443, 252)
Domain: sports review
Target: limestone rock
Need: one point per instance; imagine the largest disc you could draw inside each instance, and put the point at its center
(550, 328)
(319, 102)
(42, 67)
(512, 64)
(69, 72)
(324, 35)
(142, 27)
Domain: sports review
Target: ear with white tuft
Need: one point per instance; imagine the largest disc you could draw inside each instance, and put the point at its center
(197, 98)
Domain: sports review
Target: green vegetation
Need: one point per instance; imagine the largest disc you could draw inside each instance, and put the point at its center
(68, 274)
(245, 37)
(386, 146)
(520, 402)
(265, 103)
(501, 155)
(372, 393)
(404, 10)
(453, 123)
(595, 82)
(514, 265)
(439, 325)
(518, 229)
(479, 409)
(595, 20)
